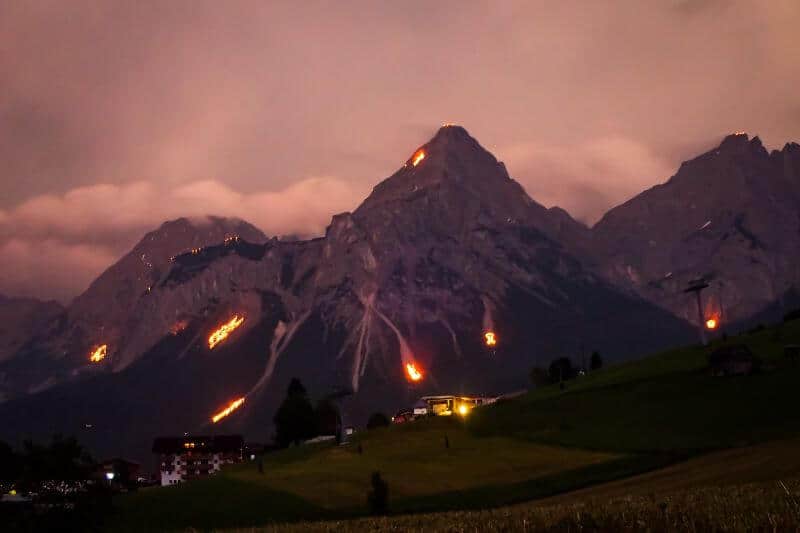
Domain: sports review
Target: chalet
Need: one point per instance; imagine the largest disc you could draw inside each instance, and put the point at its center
(192, 457)
(446, 405)
(734, 360)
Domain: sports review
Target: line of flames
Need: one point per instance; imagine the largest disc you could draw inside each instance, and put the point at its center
(414, 374)
(234, 405)
(99, 353)
(222, 332)
(491, 338)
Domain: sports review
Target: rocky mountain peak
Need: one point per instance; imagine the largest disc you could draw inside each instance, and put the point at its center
(103, 309)
(741, 143)
(450, 171)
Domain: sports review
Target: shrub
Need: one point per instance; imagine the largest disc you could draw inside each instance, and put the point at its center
(378, 496)
(539, 377)
(792, 315)
(377, 420)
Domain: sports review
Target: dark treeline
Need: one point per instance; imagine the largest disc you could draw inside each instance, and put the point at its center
(563, 369)
(52, 487)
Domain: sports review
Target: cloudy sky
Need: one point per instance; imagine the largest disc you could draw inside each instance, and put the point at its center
(117, 115)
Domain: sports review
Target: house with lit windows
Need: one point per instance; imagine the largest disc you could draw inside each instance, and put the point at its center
(192, 457)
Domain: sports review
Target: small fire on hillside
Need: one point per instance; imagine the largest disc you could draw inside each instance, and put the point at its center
(99, 353)
(490, 338)
(418, 156)
(414, 373)
(712, 323)
(222, 332)
(234, 405)
(178, 326)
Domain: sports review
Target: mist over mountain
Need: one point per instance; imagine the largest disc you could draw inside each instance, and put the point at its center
(447, 248)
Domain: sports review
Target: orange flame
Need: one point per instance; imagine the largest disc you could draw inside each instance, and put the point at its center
(414, 374)
(418, 156)
(224, 330)
(99, 353)
(712, 323)
(491, 338)
(234, 405)
(178, 326)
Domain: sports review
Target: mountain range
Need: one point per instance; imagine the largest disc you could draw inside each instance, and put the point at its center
(446, 249)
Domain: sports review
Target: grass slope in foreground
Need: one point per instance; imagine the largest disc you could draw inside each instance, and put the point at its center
(608, 425)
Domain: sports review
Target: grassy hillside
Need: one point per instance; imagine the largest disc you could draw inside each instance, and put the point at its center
(332, 481)
(609, 425)
(666, 403)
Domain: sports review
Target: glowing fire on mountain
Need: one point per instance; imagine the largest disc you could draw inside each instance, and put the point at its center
(178, 326)
(490, 338)
(712, 323)
(99, 353)
(222, 332)
(414, 374)
(418, 156)
(234, 405)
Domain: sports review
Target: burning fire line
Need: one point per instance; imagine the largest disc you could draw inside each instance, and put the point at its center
(419, 155)
(490, 338)
(712, 323)
(224, 330)
(99, 353)
(414, 374)
(234, 405)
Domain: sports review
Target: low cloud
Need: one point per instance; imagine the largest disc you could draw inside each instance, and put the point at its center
(585, 178)
(50, 269)
(53, 246)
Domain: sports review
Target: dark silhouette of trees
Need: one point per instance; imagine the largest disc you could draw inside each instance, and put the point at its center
(539, 377)
(561, 369)
(377, 420)
(10, 463)
(294, 420)
(72, 504)
(596, 362)
(63, 459)
(378, 496)
(328, 419)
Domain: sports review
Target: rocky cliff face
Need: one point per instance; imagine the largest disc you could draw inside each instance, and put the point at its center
(731, 215)
(58, 341)
(447, 248)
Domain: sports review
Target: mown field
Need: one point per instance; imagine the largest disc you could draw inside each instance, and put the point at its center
(740, 508)
(609, 425)
(423, 470)
(755, 488)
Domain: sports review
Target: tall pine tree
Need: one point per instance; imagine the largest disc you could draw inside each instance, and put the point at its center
(294, 420)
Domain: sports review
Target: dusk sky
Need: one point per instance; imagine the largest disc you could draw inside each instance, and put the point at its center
(116, 116)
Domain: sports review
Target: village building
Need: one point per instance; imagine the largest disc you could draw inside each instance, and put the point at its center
(446, 405)
(191, 457)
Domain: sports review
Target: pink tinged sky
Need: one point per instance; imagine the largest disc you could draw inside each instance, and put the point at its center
(115, 116)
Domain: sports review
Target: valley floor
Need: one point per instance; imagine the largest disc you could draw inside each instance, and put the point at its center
(613, 446)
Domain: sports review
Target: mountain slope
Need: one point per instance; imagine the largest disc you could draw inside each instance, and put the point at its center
(731, 215)
(21, 319)
(441, 252)
(61, 340)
